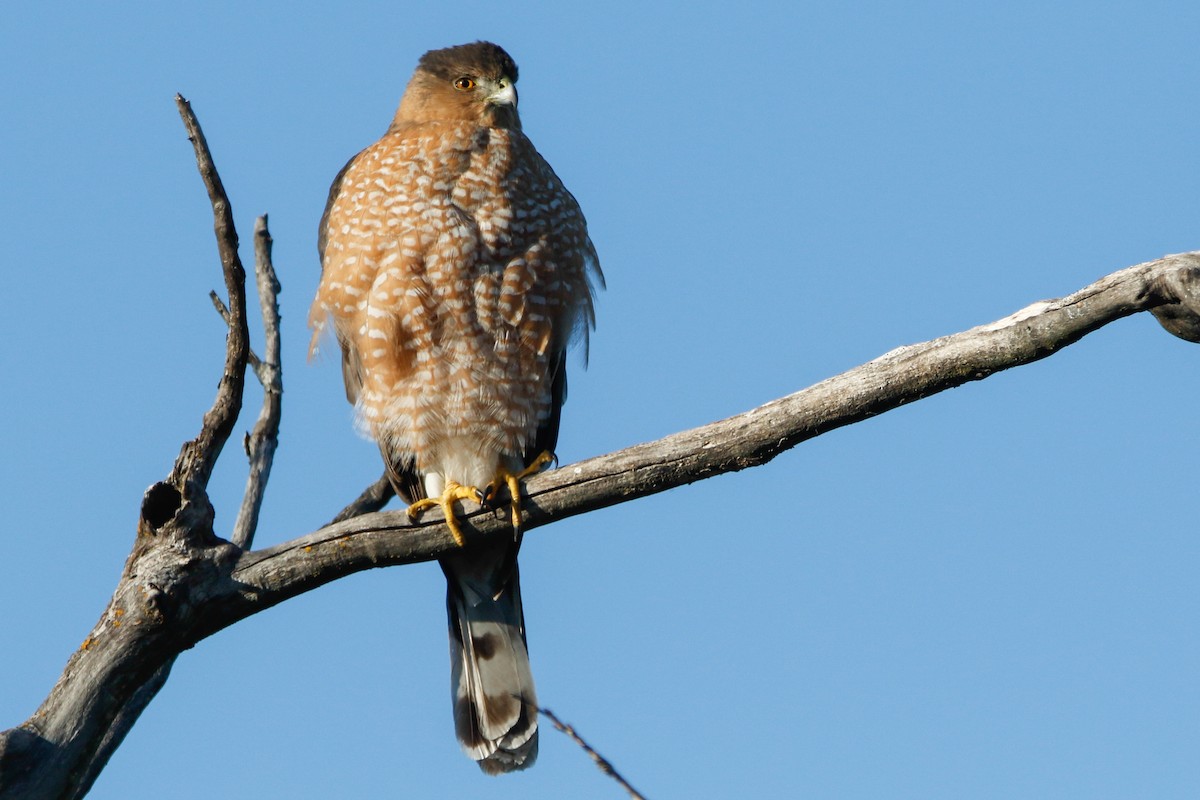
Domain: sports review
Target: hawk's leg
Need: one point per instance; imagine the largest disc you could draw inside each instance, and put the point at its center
(454, 491)
(513, 482)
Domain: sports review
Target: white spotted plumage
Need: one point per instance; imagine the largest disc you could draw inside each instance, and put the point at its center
(457, 270)
(453, 265)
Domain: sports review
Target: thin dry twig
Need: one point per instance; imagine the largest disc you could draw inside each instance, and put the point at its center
(198, 456)
(251, 357)
(603, 763)
(262, 442)
(373, 498)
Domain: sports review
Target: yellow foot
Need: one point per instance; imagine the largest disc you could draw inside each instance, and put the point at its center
(513, 482)
(454, 491)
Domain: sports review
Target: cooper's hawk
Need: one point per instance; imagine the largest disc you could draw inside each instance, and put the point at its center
(456, 271)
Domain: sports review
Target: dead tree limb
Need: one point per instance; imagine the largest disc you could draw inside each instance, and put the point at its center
(182, 582)
(373, 498)
(197, 457)
(603, 763)
(264, 439)
(746, 440)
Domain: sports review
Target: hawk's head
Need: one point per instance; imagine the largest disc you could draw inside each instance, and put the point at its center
(468, 83)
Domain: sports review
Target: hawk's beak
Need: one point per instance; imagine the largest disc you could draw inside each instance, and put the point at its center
(506, 95)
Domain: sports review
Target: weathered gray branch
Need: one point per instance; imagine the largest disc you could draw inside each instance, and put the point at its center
(750, 439)
(197, 457)
(109, 681)
(182, 583)
(263, 440)
(373, 498)
(603, 763)
(261, 443)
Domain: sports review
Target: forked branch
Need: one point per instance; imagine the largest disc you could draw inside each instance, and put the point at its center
(182, 582)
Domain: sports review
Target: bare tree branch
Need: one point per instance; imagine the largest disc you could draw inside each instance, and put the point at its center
(746, 440)
(111, 679)
(603, 763)
(197, 458)
(120, 727)
(187, 584)
(373, 498)
(262, 441)
(182, 583)
(251, 357)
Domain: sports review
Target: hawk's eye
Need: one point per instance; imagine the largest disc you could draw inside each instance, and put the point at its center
(464, 84)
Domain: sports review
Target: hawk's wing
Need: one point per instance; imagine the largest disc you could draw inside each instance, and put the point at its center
(351, 365)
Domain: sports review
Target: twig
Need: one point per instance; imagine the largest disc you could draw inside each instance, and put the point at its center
(197, 457)
(262, 442)
(373, 498)
(603, 763)
(251, 357)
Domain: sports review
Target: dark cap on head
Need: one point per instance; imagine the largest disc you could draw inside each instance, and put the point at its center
(480, 59)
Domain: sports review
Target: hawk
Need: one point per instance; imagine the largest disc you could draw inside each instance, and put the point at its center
(456, 272)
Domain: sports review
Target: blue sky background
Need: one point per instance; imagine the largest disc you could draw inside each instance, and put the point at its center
(987, 594)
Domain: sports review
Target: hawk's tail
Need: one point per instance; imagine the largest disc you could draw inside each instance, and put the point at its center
(495, 706)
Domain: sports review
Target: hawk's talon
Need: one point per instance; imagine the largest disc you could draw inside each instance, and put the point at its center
(454, 491)
(486, 497)
(513, 482)
(544, 459)
(488, 500)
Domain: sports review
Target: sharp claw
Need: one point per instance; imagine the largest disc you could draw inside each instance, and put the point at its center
(454, 491)
(418, 508)
(489, 497)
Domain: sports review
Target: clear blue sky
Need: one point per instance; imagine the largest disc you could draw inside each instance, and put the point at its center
(987, 594)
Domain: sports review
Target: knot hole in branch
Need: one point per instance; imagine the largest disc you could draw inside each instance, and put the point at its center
(160, 504)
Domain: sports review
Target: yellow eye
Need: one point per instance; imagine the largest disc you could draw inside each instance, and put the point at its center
(464, 84)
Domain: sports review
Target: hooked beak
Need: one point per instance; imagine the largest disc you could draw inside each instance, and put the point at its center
(505, 95)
